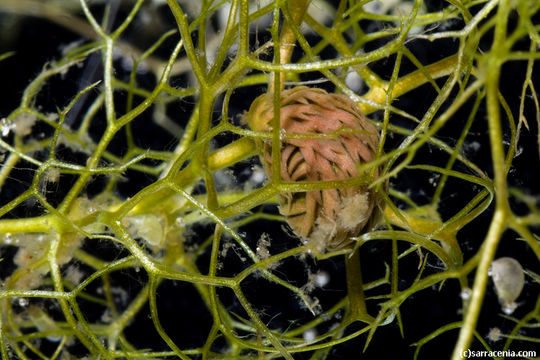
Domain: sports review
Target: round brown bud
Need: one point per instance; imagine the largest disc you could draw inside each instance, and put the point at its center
(327, 218)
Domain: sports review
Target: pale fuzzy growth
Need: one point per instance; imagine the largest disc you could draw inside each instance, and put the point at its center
(23, 124)
(148, 227)
(74, 275)
(316, 280)
(52, 175)
(352, 215)
(322, 231)
(262, 246)
(70, 244)
(83, 143)
(32, 248)
(354, 211)
(495, 334)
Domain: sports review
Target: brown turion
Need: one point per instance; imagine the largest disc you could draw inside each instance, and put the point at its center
(328, 218)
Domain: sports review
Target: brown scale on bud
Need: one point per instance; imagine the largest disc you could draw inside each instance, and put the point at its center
(327, 218)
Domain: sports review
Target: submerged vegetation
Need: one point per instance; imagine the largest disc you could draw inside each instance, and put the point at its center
(136, 220)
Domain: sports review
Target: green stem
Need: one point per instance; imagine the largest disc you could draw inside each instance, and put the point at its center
(286, 43)
(493, 65)
(355, 291)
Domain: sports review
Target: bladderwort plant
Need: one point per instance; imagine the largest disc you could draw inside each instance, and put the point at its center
(102, 223)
